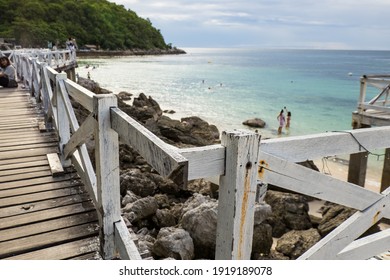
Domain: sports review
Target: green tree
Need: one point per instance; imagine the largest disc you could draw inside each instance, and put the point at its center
(35, 22)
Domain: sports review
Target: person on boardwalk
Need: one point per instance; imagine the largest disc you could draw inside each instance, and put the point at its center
(281, 120)
(71, 44)
(7, 73)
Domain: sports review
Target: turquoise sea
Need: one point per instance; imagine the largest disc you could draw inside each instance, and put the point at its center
(228, 86)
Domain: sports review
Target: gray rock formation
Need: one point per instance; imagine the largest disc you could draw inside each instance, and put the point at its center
(175, 243)
(256, 122)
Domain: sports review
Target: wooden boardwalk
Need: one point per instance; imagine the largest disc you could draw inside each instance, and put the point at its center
(42, 216)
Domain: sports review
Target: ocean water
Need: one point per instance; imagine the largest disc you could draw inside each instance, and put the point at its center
(228, 86)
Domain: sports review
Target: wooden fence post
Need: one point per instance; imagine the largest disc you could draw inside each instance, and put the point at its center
(237, 194)
(385, 182)
(107, 173)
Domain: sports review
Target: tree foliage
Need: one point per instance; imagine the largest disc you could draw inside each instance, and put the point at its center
(34, 23)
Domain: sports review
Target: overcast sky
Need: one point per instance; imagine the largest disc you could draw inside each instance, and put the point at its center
(325, 24)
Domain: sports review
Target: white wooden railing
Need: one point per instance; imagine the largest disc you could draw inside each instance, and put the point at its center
(243, 162)
(381, 101)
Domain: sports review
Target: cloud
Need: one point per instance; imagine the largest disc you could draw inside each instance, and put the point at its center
(328, 23)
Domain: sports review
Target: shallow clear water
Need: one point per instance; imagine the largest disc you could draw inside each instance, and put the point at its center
(228, 86)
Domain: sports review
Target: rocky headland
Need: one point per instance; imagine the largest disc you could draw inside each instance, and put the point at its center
(169, 222)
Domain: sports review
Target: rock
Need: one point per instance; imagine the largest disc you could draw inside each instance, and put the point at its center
(193, 202)
(138, 183)
(262, 212)
(256, 122)
(332, 216)
(203, 187)
(175, 243)
(130, 197)
(262, 240)
(125, 96)
(289, 212)
(201, 223)
(164, 218)
(294, 243)
(92, 86)
(140, 209)
(162, 201)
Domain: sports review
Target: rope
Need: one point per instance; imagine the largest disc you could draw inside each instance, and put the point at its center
(360, 144)
(325, 167)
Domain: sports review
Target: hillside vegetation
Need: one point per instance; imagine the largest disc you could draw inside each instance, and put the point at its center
(34, 23)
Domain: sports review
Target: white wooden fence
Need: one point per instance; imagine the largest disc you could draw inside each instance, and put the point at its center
(381, 101)
(242, 161)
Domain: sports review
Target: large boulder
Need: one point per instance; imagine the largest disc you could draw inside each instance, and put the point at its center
(140, 209)
(175, 243)
(332, 216)
(201, 223)
(294, 243)
(256, 122)
(289, 212)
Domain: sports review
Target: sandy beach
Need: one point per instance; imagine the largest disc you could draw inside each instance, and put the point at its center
(338, 168)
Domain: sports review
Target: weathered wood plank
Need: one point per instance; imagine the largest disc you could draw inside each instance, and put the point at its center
(80, 94)
(107, 173)
(22, 245)
(28, 153)
(19, 111)
(25, 160)
(28, 175)
(82, 163)
(29, 207)
(19, 118)
(205, 161)
(26, 134)
(367, 247)
(302, 148)
(301, 179)
(19, 127)
(125, 245)
(55, 164)
(30, 141)
(33, 217)
(158, 154)
(63, 125)
(37, 181)
(237, 194)
(80, 136)
(35, 197)
(47, 226)
(68, 250)
(22, 165)
(24, 170)
(332, 244)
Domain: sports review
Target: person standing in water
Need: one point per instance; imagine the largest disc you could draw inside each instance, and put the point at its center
(288, 119)
(281, 120)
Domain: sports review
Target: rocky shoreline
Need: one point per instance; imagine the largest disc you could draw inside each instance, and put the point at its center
(170, 222)
(140, 52)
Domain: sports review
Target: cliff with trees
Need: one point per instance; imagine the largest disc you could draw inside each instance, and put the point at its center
(34, 23)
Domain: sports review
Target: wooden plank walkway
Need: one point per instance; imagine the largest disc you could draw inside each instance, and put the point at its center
(42, 216)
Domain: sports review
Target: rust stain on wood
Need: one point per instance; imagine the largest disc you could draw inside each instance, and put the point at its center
(244, 207)
(262, 166)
